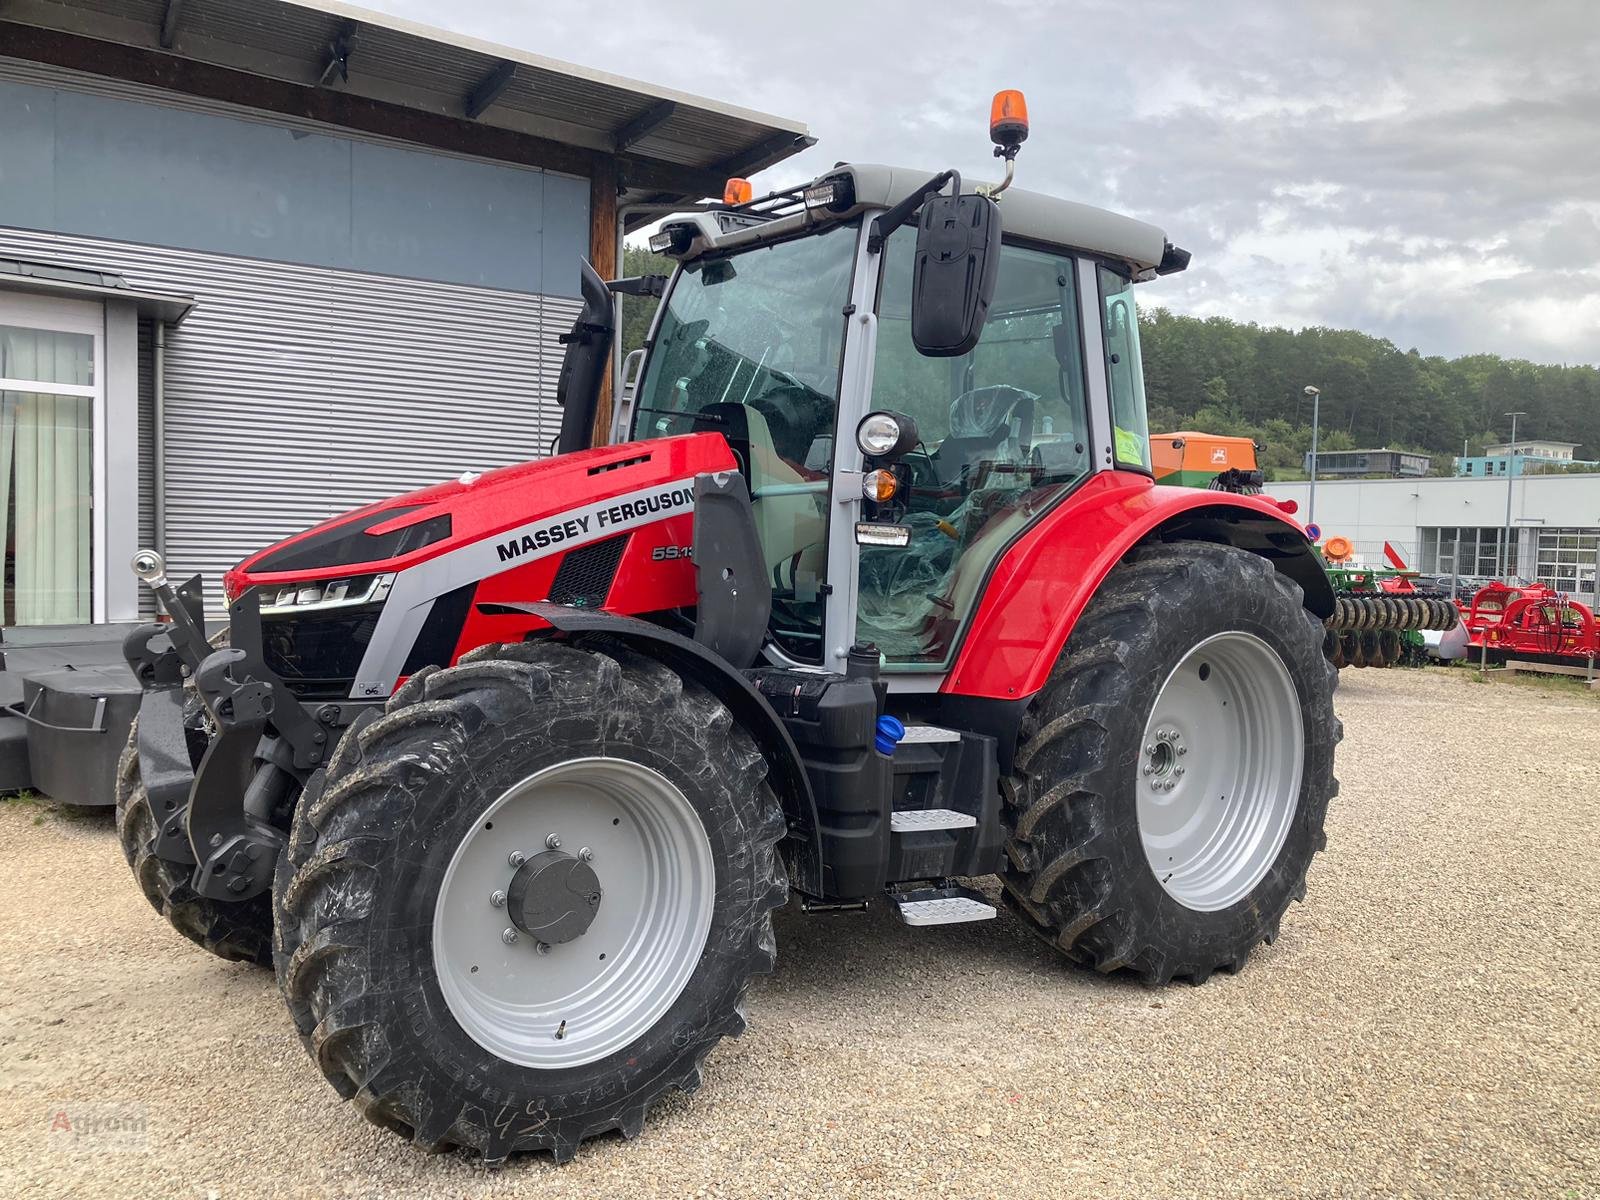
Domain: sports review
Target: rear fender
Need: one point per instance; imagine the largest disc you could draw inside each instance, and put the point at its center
(1043, 582)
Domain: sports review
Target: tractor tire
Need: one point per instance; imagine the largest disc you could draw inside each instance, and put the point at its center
(1125, 852)
(233, 932)
(403, 872)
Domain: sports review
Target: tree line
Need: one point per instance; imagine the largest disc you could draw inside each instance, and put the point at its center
(1219, 376)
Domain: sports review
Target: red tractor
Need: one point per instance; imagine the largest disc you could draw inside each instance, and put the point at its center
(872, 591)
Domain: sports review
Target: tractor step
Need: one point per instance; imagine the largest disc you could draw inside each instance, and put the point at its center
(919, 820)
(941, 906)
(928, 735)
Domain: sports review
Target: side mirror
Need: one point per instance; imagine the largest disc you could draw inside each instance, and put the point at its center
(953, 274)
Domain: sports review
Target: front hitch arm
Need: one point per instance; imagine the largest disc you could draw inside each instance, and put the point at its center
(263, 742)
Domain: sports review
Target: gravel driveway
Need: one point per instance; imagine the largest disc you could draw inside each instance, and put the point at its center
(1426, 1025)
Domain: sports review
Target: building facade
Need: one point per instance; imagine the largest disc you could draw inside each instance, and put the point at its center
(262, 262)
(1458, 525)
(1525, 458)
(1352, 463)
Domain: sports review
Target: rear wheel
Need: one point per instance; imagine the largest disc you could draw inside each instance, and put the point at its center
(1173, 776)
(526, 902)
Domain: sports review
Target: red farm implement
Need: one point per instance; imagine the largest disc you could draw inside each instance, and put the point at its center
(1531, 622)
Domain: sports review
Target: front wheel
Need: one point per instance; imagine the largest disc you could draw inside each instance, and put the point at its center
(1173, 776)
(526, 902)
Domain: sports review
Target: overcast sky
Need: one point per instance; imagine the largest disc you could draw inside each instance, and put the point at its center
(1425, 170)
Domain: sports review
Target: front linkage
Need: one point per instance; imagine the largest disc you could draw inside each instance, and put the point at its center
(262, 744)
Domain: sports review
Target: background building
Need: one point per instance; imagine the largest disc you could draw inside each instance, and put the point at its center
(1458, 525)
(263, 261)
(1369, 462)
(1530, 457)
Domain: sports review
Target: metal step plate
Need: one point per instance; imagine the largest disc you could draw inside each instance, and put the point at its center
(920, 820)
(941, 906)
(928, 735)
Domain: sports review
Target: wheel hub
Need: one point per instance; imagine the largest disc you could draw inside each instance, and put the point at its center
(554, 897)
(1219, 771)
(538, 962)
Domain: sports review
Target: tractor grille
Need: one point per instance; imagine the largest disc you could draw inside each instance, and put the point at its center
(584, 577)
(317, 654)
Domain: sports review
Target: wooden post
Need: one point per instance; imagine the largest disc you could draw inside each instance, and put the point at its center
(603, 257)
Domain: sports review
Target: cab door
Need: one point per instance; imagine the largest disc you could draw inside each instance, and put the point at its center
(1005, 431)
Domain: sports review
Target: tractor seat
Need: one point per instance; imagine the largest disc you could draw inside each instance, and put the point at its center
(992, 424)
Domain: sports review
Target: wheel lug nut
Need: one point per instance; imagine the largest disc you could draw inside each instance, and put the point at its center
(516, 858)
(553, 842)
(1150, 749)
(1183, 749)
(497, 898)
(1147, 768)
(586, 854)
(1177, 770)
(508, 936)
(542, 947)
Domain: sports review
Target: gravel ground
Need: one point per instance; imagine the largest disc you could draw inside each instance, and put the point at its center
(1426, 1025)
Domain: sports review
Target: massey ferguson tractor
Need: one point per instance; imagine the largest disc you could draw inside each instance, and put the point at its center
(870, 591)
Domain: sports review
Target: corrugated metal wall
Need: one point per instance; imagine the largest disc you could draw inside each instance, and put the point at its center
(294, 393)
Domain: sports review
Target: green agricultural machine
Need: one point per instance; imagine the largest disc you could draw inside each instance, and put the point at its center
(1382, 618)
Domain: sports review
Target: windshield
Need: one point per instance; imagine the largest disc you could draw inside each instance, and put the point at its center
(749, 346)
(763, 329)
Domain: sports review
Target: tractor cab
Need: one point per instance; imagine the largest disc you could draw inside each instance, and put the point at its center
(887, 476)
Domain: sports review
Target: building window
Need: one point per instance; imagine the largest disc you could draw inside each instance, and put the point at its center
(1461, 551)
(1566, 560)
(47, 394)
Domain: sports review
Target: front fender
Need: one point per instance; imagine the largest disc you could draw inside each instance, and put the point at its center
(1045, 579)
(786, 769)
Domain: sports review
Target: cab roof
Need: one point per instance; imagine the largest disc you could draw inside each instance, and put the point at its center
(1031, 215)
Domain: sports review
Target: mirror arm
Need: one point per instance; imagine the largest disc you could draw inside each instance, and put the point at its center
(887, 222)
(650, 286)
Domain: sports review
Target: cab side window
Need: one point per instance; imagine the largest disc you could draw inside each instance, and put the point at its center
(1125, 371)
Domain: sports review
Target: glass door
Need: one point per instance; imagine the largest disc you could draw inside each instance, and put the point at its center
(50, 378)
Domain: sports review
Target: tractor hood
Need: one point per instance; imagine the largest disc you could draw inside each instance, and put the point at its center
(535, 500)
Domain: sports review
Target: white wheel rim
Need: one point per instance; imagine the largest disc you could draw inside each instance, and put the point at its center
(587, 998)
(1220, 768)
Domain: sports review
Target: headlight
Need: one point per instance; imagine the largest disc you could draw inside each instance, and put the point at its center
(321, 595)
(886, 434)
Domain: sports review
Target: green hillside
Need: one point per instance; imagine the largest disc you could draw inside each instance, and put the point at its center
(1221, 376)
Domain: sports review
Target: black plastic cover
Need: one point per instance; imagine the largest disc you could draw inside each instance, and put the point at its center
(953, 274)
(350, 544)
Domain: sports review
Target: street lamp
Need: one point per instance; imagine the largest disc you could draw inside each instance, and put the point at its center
(1316, 411)
(1511, 478)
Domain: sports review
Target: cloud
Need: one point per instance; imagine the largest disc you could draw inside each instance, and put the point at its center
(1423, 171)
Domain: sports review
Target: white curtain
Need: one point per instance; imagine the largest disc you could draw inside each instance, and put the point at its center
(46, 476)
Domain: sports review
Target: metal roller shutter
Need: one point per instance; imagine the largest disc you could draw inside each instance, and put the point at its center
(295, 393)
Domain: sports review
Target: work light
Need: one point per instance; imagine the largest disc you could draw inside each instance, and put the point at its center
(886, 434)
